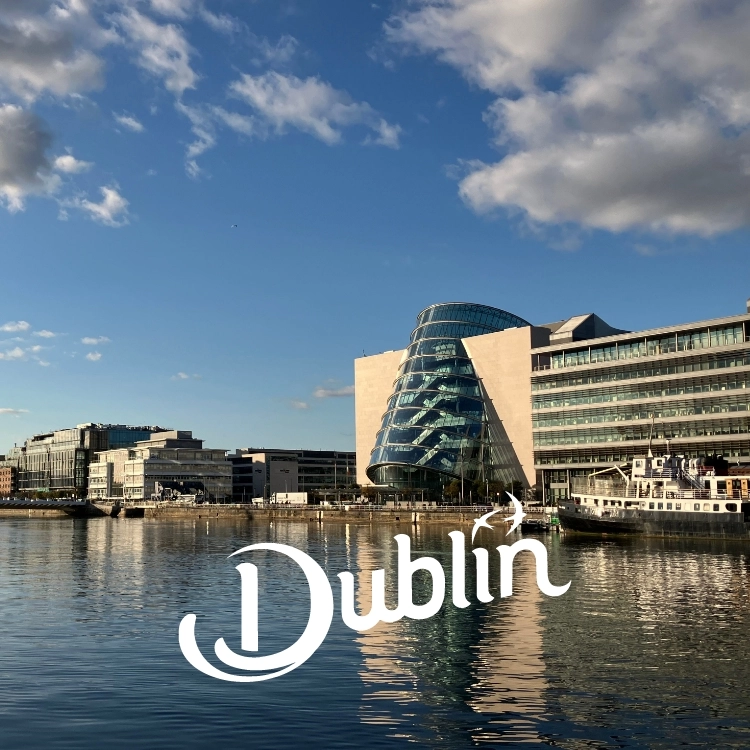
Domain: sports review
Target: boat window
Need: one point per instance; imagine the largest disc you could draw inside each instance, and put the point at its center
(732, 507)
(669, 506)
(678, 506)
(650, 506)
(660, 506)
(606, 503)
(706, 506)
(716, 506)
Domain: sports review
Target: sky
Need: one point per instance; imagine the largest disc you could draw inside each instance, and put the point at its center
(209, 209)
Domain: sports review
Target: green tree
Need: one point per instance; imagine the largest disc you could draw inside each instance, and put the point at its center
(452, 490)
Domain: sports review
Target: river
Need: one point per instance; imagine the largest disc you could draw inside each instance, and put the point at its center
(648, 648)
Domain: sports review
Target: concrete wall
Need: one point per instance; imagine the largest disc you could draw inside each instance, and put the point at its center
(502, 362)
(373, 386)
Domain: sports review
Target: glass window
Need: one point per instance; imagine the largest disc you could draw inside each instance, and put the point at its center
(678, 506)
(706, 506)
(731, 507)
(716, 506)
(660, 506)
(669, 506)
(696, 506)
(650, 506)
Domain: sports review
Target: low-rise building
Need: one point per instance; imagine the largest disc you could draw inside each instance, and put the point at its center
(168, 465)
(7, 480)
(263, 472)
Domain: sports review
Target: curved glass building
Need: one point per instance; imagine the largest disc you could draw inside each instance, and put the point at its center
(435, 428)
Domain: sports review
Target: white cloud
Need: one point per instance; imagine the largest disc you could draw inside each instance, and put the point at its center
(205, 137)
(14, 326)
(176, 8)
(301, 405)
(111, 211)
(45, 334)
(129, 122)
(13, 354)
(13, 412)
(47, 47)
(162, 50)
(310, 105)
(69, 164)
(613, 116)
(344, 392)
(24, 169)
(94, 340)
(221, 22)
(93, 356)
(185, 376)
(274, 55)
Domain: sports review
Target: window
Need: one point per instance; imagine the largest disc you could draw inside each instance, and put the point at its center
(660, 506)
(731, 507)
(696, 506)
(669, 506)
(706, 506)
(678, 506)
(716, 506)
(650, 506)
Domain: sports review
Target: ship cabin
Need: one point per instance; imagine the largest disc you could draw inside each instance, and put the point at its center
(664, 483)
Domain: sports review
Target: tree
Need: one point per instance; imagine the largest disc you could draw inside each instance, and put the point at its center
(452, 490)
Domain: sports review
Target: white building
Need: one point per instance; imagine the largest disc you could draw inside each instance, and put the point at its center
(172, 460)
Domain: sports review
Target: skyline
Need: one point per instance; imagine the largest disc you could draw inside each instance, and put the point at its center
(372, 166)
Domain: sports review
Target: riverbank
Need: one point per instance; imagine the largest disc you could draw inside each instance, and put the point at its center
(308, 513)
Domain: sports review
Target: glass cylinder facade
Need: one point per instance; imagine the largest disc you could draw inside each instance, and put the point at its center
(435, 428)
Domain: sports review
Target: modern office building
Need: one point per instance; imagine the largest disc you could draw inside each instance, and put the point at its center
(59, 461)
(174, 461)
(484, 395)
(262, 472)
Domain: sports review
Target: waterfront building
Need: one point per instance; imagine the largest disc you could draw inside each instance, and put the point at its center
(7, 479)
(481, 395)
(59, 461)
(262, 472)
(169, 460)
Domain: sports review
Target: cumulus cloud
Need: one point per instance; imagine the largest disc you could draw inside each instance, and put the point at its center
(48, 47)
(94, 340)
(14, 326)
(310, 105)
(13, 412)
(93, 356)
(185, 376)
(112, 210)
(301, 405)
(24, 168)
(614, 116)
(14, 354)
(69, 164)
(347, 390)
(129, 122)
(45, 334)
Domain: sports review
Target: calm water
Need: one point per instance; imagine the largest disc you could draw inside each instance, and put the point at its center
(648, 649)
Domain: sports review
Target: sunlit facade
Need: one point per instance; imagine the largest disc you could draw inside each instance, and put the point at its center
(480, 394)
(436, 428)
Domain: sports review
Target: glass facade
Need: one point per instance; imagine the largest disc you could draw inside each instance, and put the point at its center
(435, 428)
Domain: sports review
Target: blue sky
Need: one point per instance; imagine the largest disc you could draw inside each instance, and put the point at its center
(376, 158)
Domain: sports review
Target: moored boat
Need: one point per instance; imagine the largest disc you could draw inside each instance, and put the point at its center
(660, 496)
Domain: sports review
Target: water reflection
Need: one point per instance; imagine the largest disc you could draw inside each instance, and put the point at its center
(648, 649)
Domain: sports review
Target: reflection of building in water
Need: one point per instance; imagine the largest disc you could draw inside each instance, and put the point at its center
(509, 670)
(420, 676)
